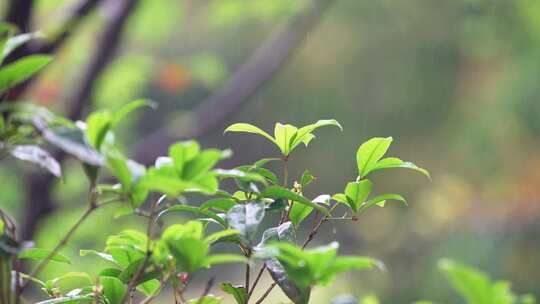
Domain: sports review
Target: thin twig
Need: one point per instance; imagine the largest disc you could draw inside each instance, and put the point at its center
(133, 281)
(259, 275)
(206, 291)
(162, 284)
(248, 270)
(92, 206)
(315, 229)
(266, 293)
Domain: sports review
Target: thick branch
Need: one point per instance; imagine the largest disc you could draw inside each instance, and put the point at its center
(20, 14)
(74, 16)
(258, 69)
(106, 47)
(40, 202)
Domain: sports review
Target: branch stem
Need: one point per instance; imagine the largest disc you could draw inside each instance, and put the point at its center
(92, 206)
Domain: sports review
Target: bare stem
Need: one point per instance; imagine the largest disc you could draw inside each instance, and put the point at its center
(315, 229)
(162, 284)
(259, 275)
(133, 281)
(266, 293)
(206, 291)
(248, 270)
(92, 206)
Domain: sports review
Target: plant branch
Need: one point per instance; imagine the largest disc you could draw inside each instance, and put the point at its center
(106, 47)
(19, 14)
(206, 291)
(162, 284)
(259, 275)
(266, 293)
(74, 17)
(133, 281)
(92, 206)
(248, 270)
(315, 229)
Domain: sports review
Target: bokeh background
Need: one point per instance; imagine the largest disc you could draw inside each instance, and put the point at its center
(455, 82)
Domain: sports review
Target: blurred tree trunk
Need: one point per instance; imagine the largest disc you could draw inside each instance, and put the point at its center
(40, 201)
(212, 113)
(19, 13)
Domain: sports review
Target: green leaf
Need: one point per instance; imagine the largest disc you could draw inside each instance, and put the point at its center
(123, 210)
(185, 243)
(473, 285)
(304, 134)
(221, 204)
(247, 128)
(117, 164)
(123, 111)
(194, 210)
(370, 152)
(126, 247)
(276, 192)
(283, 135)
(476, 287)
(201, 164)
(357, 193)
(345, 263)
(214, 237)
(264, 161)
(189, 254)
(306, 178)
(113, 289)
(98, 125)
(209, 299)
(17, 72)
(269, 175)
(110, 272)
(341, 198)
(149, 287)
(183, 152)
(239, 293)
(380, 200)
(307, 268)
(191, 229)
(223, 259)
(40, 254)
(246, 219)
(164, 180)
(37, 155)
(394, 162)
(102, 255)
(298, 213)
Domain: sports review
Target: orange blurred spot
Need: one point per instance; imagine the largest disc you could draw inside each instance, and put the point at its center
(47, 92)
(173, 78)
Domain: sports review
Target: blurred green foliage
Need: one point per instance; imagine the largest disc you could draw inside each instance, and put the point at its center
(455, 81)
